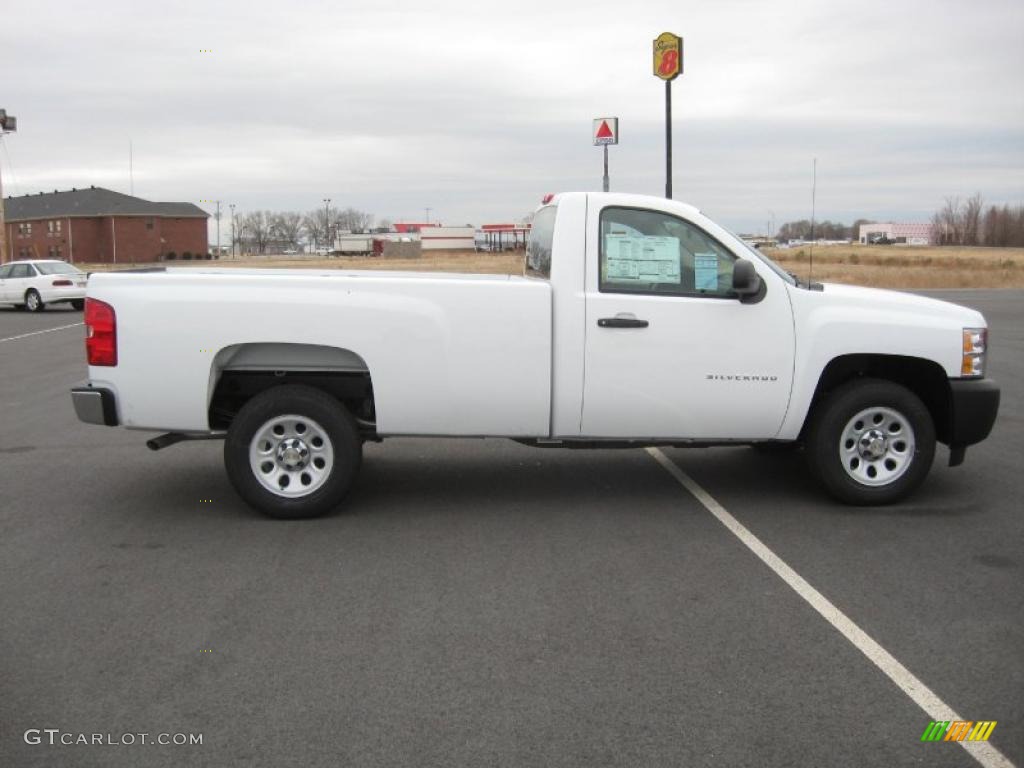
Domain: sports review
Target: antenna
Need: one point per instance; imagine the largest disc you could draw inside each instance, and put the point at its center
(814, 195)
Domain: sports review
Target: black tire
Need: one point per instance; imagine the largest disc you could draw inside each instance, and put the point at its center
(841, 446)
(33, 301)
(328, 416)
(78, 304)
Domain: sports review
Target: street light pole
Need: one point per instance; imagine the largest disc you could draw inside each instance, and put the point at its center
(8, 124)
(232, 207)
(427, 211)
(218, 229)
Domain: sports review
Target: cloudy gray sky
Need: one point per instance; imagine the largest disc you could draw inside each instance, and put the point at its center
(476, 109)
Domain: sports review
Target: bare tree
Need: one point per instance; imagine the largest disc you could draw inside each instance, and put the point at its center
(313, 225)
(354, 220)
(287, 226)
(255, 228)
(971, 220)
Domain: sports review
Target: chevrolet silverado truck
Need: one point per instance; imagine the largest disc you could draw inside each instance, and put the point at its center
(638, 322)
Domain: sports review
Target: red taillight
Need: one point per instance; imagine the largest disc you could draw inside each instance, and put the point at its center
(547, 198)
(100, 333)
(62, 282)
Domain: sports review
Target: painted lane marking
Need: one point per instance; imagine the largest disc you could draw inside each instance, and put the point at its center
(48, 330)
(986, 754)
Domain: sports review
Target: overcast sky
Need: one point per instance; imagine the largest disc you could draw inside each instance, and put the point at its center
(477, 109)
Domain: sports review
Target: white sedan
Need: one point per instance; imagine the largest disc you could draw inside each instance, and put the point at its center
(32, 285)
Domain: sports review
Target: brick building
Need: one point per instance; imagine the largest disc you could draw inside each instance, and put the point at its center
(98, 225)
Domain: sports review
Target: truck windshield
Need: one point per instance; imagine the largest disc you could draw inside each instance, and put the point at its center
(538, 247)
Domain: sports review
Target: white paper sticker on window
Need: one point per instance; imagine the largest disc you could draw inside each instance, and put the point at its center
(642, 259)
(705, 271)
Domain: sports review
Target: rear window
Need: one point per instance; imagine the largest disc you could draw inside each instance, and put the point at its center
(538, 247)
(57, 268)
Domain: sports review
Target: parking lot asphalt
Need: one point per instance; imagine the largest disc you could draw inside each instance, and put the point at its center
(480, 602)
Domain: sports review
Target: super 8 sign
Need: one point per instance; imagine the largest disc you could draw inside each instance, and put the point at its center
(668, 56)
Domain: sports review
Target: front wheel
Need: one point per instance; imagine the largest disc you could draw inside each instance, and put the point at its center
(293, 452)
(78, 304)
(871, 442)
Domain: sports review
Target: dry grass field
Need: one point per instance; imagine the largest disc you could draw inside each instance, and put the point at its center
(879, 266)
(896, 266)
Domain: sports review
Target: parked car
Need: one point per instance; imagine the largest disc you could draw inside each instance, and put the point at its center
(640, 322)
(33, 284)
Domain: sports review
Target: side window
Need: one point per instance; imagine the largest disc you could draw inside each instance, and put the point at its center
(20, 270)
(538, 247)
(651, 252)
(5, 272)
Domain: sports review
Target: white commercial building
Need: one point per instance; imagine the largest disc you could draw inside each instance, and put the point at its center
(901, 233)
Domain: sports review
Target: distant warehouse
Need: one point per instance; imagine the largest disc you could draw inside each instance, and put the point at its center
(436, 237)
(98, 225)
(901, 233)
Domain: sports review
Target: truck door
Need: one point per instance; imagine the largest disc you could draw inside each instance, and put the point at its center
(670, 350)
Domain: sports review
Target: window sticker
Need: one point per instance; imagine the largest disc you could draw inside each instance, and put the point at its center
(705, 271)
(642, 259)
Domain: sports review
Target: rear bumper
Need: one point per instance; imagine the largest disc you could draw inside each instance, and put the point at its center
(974, 404)
(94, 405)
(63, 293)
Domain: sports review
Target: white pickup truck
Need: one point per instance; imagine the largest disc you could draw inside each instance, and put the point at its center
(639, 322)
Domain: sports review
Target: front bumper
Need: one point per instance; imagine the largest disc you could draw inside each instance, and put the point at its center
(94, 405)
(974, 404)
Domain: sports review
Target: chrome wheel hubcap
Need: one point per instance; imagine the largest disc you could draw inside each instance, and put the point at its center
(291, 455)
(877, 446)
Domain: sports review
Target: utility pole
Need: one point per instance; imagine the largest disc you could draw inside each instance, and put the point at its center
(427, 211)
(327, 221)
(218, 229)
(232, 207)
(8, 124)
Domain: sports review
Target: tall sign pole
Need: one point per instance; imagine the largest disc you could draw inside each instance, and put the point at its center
(668, 65)
(605, 132)
(8, 124)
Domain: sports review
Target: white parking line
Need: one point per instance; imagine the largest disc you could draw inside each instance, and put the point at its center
(48, 330)
(921, 694)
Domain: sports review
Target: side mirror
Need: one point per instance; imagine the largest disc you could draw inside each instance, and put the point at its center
(746, 283)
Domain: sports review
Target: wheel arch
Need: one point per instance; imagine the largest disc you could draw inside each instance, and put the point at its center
(925, 378)
(239, 372)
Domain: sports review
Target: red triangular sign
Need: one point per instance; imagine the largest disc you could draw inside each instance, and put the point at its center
(604, 132)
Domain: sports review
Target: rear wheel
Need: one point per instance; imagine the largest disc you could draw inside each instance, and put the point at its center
(293, 452)
(33, 302)
(871, 442)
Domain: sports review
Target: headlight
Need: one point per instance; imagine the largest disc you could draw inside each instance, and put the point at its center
(975, 344)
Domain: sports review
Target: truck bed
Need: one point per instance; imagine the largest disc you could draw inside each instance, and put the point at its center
(448, 354)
